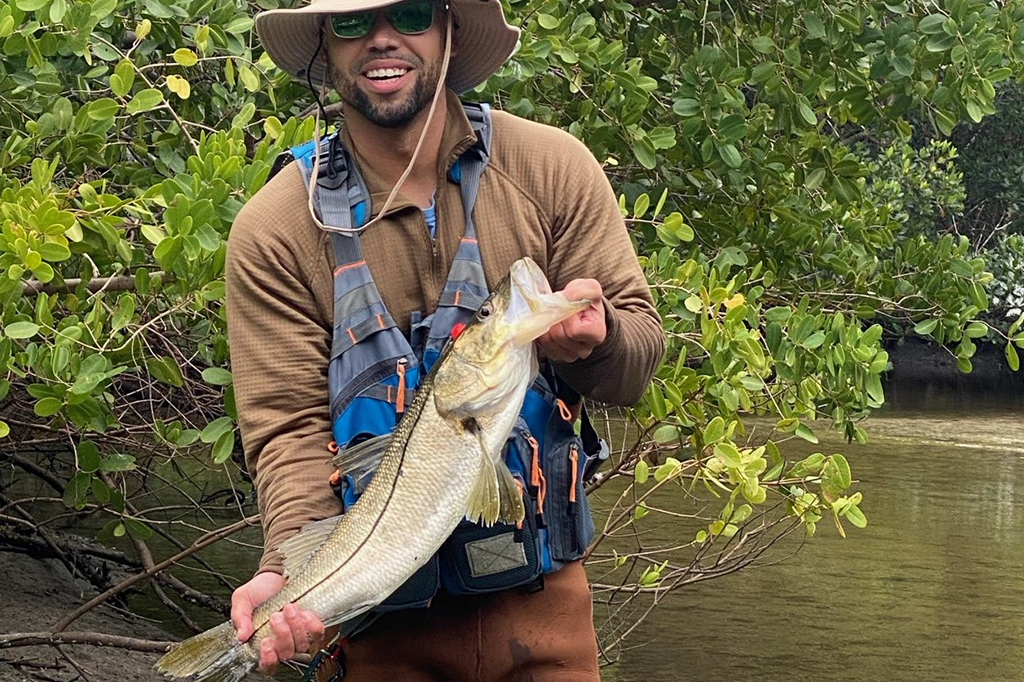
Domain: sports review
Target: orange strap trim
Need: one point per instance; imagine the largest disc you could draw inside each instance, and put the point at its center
(458, 292)
(471, 240)
(332, 447)
(335, 477)
(542, 493)
(343, 268)
(352, 336)
(519, 487)
(564, 410)
(574, 457)
(380, 320)
(400, 398)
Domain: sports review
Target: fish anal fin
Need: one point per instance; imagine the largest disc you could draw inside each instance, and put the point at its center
(297, 549)
(512, 510)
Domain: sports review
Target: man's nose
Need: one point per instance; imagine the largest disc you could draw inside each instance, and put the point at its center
(382, 35)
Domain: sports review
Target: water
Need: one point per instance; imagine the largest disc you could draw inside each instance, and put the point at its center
(932, 589)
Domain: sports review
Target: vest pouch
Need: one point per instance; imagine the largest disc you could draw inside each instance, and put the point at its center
(476, 559)
(570, 527)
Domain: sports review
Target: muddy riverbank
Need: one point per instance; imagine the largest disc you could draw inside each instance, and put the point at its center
(35, 595)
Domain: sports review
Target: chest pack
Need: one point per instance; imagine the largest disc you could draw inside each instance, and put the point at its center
(375, 370)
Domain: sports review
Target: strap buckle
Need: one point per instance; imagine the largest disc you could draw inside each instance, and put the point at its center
(331, 653)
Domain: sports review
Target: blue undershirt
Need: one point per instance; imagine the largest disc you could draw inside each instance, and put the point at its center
(431, 217)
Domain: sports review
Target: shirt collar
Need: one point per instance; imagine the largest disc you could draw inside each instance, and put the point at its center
(458, 136)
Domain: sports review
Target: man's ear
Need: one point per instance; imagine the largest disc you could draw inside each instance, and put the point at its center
(322, 53)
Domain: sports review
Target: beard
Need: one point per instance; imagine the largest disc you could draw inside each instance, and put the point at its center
(395, 113)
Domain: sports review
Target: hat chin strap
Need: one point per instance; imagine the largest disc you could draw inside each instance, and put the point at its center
(419, 143)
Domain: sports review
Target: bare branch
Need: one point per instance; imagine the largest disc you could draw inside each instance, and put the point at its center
(19, 639)
(37, 471)
(199, 544)
(117, 283)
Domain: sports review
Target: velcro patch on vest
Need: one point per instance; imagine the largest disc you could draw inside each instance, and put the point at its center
(496, 554)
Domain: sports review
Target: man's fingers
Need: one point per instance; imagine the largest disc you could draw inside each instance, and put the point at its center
(301, 637)
(559, 346)
(576, 337)
(315, 628)
(268, 656)
(583, 288)
(284, 640)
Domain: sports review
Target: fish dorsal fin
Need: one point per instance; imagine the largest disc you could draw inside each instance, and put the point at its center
(297, 549)
(361, 460)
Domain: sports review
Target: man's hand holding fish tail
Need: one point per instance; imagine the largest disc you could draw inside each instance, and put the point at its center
(295, 630)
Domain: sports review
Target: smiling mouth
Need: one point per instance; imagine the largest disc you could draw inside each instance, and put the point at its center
(384, 75)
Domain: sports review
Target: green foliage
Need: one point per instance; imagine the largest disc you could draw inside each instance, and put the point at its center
(1006, 259)
(777, 241)
(920, 188)
(991, 155)
(130, 140)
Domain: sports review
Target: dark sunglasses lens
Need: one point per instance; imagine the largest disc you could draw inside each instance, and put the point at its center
(412, 17)
(351, 25)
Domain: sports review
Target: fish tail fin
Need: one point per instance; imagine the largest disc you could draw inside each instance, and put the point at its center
(484, 501)
(215, 655)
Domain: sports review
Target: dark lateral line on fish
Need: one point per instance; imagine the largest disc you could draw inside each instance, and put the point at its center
(413, 415)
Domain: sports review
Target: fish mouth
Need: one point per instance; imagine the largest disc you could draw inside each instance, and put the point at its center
(533, 308)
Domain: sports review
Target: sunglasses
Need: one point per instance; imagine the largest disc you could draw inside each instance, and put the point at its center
(408, 18)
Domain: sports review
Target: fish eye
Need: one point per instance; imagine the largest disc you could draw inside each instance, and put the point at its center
(484, 312)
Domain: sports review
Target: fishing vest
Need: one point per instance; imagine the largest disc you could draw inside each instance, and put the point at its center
(375, 370)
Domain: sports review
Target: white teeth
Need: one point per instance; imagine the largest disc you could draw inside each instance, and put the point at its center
(386, 73)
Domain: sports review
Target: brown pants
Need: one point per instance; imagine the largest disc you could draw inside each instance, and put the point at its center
(509, 636)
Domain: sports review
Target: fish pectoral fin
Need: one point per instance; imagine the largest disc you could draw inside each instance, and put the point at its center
(512, 510)
(297, 549)
(348, 615)
(484, 505)
(361, 460)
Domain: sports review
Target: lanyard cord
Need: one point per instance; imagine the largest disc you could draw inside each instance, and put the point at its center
(412, 161)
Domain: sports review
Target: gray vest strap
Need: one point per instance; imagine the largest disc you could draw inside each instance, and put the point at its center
(341, 199)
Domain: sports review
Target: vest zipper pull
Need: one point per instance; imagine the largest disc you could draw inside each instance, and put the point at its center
(535, 472)
(400, 399)
(538, 484)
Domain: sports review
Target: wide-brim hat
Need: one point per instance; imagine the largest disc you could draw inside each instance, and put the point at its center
(290, 37)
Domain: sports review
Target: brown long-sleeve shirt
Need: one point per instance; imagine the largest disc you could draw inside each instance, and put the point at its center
(543, 195)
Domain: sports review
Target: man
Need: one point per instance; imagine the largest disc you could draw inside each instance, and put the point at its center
(541, 193)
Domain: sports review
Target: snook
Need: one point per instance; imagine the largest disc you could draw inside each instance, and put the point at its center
(442, 463)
